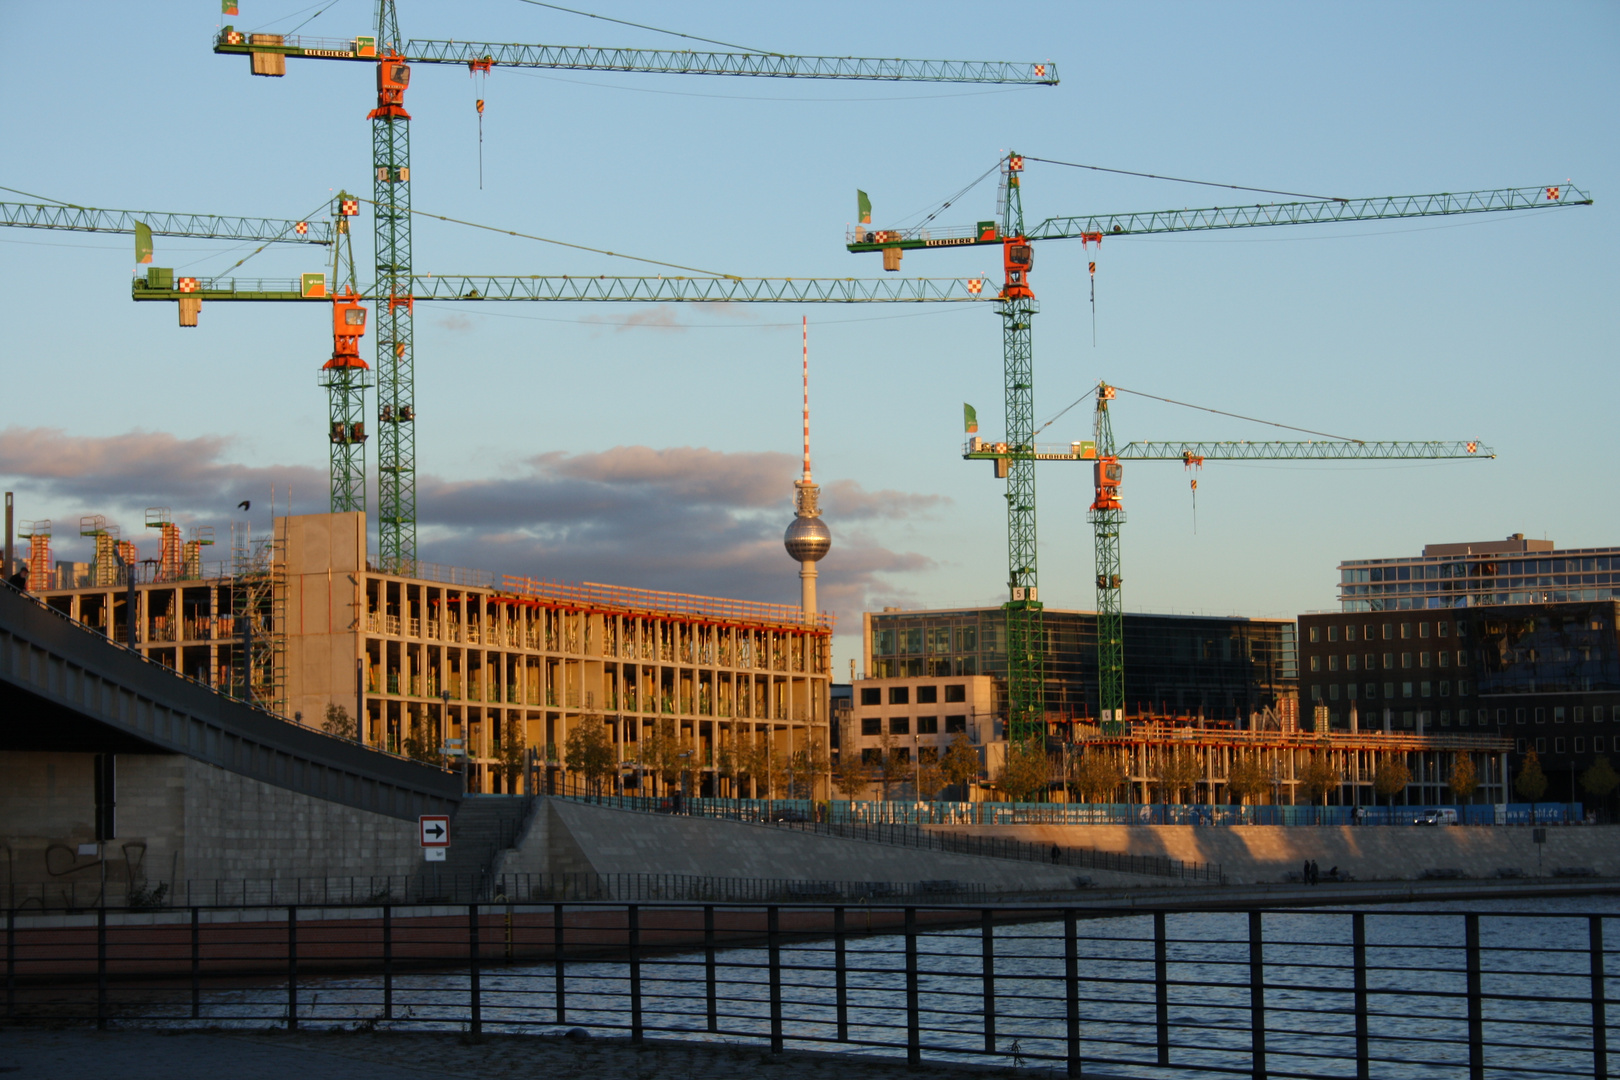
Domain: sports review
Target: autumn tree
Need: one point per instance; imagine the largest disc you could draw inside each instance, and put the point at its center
(1248, 778)
(850, 774)
(1096, 774)
(1175, 771)
(1027, 769)
(1464, 780)
(930, 775)
(1319, 777)
(513, 758)
(588, 751)
(1599, 780)
(961, 763)
(894, 763)
(1531, 783)
(1391, 778)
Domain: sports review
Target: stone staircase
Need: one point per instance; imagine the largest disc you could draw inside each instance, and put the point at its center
(483, 827)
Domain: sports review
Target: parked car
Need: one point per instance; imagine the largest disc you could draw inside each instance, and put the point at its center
(1436, 817)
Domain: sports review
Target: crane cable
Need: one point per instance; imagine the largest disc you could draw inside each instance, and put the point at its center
(1182, 180)
(566, 244)
(1203, 408)
(654, 29)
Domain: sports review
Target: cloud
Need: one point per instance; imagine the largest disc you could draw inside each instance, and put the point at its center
(454, 320)
(685, 519)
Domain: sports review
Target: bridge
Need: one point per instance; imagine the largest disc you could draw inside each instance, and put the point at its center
(65, 687)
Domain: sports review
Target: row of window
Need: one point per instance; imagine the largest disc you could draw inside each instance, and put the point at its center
(901, 725)
(1490, 568)
(1369, 661)
(926, 695)
(1558, 745)
(1369, 691)
(1388, 631)
(1539, 714)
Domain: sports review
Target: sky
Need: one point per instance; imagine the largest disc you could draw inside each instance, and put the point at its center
(657, 446)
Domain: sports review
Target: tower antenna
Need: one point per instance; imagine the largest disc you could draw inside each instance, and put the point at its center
(807, 539)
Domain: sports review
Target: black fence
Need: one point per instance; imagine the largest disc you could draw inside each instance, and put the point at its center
(1263, 993)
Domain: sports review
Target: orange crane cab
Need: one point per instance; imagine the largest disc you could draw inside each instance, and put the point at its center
(1108, 471)
(393, 76)
(348, 327)
(1016, 259)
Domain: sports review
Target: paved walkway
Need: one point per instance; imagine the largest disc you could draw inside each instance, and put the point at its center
(80, 1054)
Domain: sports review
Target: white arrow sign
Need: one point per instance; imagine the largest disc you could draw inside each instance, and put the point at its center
(435, 830)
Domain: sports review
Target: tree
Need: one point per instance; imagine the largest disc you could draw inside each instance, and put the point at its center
(803, 767)
(1096, 774)
(1391, 778)
(1319, 777)
(1464, 778)
(1026, 771)
(338, 722)
(1531, 783)
(513, 758)
(1247, 778)
(930, 776)
(1176, 771)
(1599, 780)
(850, 774)
(421, 742)
(961, 764)
(894, 765)
(589, 751)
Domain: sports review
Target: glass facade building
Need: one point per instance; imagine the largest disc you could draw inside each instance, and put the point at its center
(1496, 573)
(1221, 668)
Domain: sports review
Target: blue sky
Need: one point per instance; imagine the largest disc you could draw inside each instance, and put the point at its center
(655, 446)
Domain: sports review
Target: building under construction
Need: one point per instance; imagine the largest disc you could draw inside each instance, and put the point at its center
(447, 658)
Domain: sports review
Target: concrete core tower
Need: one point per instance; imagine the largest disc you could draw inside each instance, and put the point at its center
(807, 539)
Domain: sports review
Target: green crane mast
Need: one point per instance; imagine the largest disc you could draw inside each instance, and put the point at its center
(1107, 514)
(390, 145)
(1015, 460)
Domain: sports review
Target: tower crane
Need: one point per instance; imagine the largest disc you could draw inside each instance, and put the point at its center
(1026, 684)
(392, 57)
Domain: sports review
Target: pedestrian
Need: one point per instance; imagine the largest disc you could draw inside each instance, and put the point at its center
(1056, 853)
(1305, 875)
(1316, 877)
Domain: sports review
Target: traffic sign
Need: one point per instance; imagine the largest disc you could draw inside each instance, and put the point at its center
(435, 830)
(434, 854)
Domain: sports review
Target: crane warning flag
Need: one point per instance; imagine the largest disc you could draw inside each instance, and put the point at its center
(970, 419)
(863, 206)
(143, 243)
(228, 7)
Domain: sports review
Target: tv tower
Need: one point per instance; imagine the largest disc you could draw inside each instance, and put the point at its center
(807, 539)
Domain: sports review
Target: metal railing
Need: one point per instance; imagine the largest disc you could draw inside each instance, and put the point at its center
(1258, 993)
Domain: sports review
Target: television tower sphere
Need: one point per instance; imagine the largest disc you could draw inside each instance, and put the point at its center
(808, 539)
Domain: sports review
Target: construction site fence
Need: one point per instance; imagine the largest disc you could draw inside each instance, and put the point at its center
(1007, 813)
(429, 887)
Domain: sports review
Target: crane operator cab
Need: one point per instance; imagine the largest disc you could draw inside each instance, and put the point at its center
(1016, 259)
(1108, 471)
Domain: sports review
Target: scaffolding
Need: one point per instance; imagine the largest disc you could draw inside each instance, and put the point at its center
(169, 545)
(106, 570)
(191, 558)
(41, 572)
(258, 609)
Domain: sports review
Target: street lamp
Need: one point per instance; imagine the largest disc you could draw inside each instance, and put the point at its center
(686, 780)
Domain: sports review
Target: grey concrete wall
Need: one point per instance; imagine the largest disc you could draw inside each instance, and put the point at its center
(1261, 853)
(573, 836)
(180, 818)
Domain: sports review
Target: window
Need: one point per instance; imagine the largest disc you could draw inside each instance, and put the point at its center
(1367, 632)
(1518, 715)
(1518, 744)
(899, 695)
(927, 695)
(1372, 691)
(1558, 745)
(1350, 633)
(1445, 628)
(1423, 629)
(955, 692)
(1372, 661)
(953, 724)
(1406, 630)
(967, 640)
(1423, 689)
(1406, 659)
(1316, 692)
(1316, 634)
(1580, 745)
(1501, 716)
(1462, 717)
(1445, 717)
(1597, 714)
(1580, 714)
(1597, 744)
(1350, 691)
(1406, 689)
(1350, 662)
(1462, 687)
(1443, 657)
(1333, 691)
(1389, 661)
(1445, 688)
(871, 695)
(1541, 715)
(899, 725)
(872, 756)
(1558, 714)
(902, 753)
(1462, 629)
(1389, 631)
(1423, 659)
(928, 725)
(871, 725)
(1389, 690)
(1333, 663)
(1333, 633)
(1462, 658)
(1316, 663)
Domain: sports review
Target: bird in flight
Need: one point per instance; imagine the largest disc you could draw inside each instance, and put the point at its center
(244, 504)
